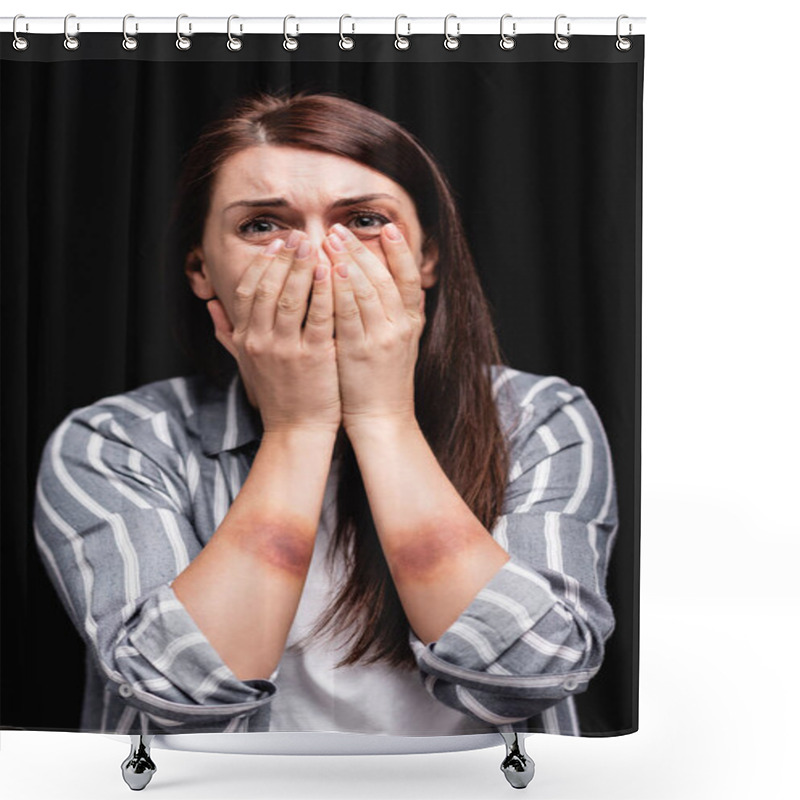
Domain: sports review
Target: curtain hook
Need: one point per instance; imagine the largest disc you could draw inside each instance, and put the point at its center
(182, 42)
(451, 42)
(507, 42)
(401, 42)
(290, 43)
(233, 42)
(129, 42)
(560, 42)
(71, 42)
(20, 42)
(622, 43)
(345, 42)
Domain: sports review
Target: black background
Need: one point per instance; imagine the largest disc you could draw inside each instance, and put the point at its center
(543, 149)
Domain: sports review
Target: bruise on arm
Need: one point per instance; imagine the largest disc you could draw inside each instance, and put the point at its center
(428, 554)
(282, 544)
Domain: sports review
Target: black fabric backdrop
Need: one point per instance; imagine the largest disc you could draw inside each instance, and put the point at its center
(542, 147)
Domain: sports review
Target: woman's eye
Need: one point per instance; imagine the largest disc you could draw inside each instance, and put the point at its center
(369, 217)
(247, 227)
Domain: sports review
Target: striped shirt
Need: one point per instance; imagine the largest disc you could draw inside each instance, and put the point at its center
(132, 487)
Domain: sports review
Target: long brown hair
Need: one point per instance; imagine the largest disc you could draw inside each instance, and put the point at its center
(454, 404)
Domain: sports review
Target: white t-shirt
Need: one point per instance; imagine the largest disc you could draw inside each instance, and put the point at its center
(313, 695)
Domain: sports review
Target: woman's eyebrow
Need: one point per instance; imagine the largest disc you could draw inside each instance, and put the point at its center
(281, 202)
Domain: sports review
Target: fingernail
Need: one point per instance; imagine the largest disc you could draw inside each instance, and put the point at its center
(342, 269)
(319, 272)
(341, 230)
(304, 249)
(294, 237)
(392, 232)
(275, 245)
(335, 242)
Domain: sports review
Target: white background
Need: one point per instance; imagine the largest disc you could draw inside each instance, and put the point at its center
(719, 598)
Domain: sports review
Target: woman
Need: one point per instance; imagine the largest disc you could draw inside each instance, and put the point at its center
(364, 521)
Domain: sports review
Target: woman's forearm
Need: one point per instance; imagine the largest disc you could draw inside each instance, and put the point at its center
(244, 586)
(438, 552)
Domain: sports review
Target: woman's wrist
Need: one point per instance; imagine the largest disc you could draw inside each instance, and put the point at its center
(291, 431)
(384, 426)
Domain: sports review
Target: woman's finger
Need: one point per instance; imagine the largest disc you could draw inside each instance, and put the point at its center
(403, 265)
(346, 313)
(268, 299)
(319, 321)
(355, 288)
(293, 301)
(246, 288)
(376, 273)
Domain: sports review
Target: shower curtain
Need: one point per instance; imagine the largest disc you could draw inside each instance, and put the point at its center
(208, 445)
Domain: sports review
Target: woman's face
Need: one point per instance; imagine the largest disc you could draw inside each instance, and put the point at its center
(264, 192)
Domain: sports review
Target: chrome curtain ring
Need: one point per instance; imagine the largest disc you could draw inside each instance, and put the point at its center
(451, 42)
(20, 42)
(290, 43)
(71, 42)
(401, 42)
(507, 42)
(182, 42)
(129, 42)
(622, 43)
(345, 42)
(561, 43)
(234, 43)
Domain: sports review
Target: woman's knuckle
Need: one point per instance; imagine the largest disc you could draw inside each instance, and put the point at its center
(348, 314)
(385, 283)
(410, 283)
(385, 342)
(264, 291)
(289, 304)
(403, 333)
(317, 317)
(367, 294)
(253, 346)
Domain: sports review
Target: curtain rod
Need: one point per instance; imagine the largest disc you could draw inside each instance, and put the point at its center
(406, 25)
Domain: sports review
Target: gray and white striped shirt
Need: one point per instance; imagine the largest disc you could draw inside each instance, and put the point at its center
(132, 487)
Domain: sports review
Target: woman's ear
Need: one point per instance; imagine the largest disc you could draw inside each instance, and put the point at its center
(430, 259)
(197, 273)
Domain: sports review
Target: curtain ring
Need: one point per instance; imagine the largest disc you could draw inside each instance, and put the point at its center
(233, 42)
(401, 42)
(71, 42)
(346, 42)
(622, 43)
(451, 42)
(289, 43)
(182, 42)
(560, 42)
(129, 42)
(20, 42)
(507, 42)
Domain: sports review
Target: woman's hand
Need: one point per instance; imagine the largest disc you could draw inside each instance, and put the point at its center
(379, 317)
(290, 368)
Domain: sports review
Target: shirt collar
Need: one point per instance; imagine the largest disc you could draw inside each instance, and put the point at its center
(227, 420)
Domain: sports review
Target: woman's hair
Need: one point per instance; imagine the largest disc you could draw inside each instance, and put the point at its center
(454, 404)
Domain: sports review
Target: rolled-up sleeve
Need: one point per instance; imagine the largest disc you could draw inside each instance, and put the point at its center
(536, 632)
(112, 522)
